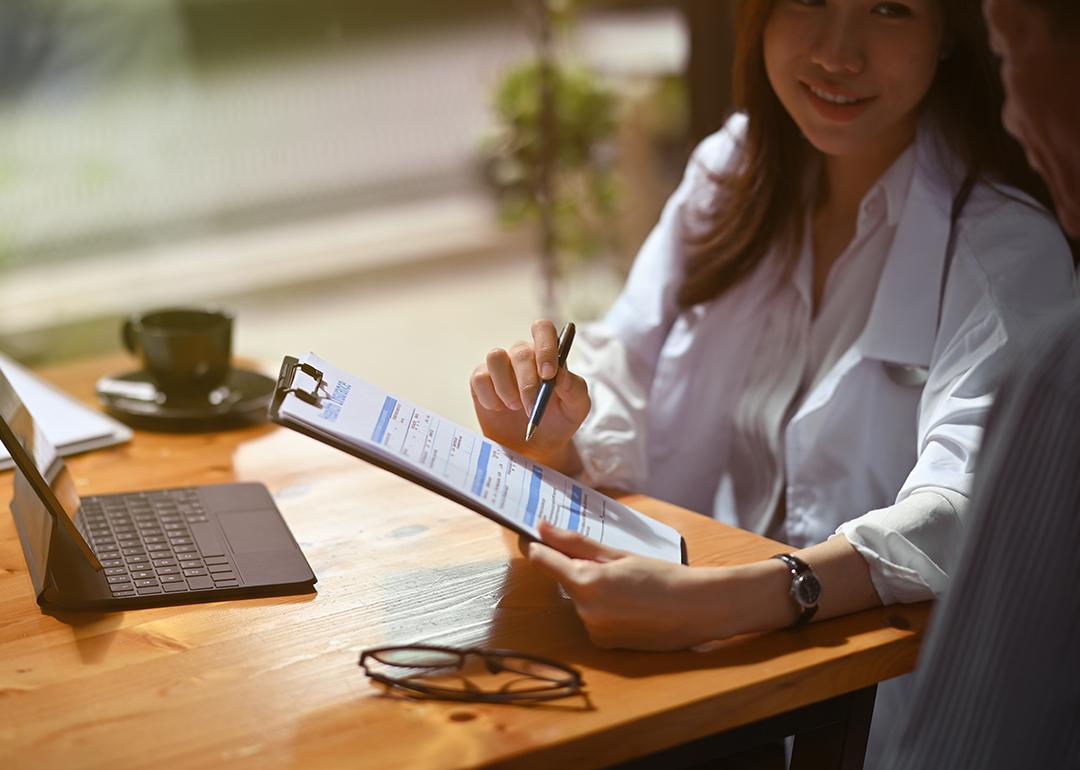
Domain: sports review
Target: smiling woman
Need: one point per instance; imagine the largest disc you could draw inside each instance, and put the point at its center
(809, 342)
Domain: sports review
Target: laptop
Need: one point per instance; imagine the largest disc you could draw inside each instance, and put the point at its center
(142, 549)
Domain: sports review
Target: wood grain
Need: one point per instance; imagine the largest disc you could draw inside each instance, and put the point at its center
(273, 683)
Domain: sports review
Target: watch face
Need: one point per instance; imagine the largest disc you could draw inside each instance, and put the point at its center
(806, 589)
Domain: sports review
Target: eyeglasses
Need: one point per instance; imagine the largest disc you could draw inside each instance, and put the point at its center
(545, 679)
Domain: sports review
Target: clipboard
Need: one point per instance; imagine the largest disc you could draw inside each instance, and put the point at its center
(318, 394)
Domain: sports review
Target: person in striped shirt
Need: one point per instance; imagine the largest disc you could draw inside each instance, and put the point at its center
(998, 685)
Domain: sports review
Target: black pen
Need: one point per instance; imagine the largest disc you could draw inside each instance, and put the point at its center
(547, 387)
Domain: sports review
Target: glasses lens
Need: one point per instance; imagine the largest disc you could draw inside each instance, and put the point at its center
(535, 668)
(417, 657)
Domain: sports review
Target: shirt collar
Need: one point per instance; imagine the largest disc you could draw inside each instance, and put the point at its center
(896, 182)
(903, 320)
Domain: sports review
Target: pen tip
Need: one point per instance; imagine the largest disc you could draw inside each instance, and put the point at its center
(529, 431)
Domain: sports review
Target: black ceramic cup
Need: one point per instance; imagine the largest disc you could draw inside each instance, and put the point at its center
(186, 351)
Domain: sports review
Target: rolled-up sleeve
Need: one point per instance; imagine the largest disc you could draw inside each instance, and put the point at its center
(1012, 268)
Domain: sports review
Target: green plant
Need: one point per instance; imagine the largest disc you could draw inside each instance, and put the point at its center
(551, 159)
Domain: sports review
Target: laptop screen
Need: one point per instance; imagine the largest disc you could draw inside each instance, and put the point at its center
(44, 490)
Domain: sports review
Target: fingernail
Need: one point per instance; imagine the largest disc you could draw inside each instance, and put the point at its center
(547, 370)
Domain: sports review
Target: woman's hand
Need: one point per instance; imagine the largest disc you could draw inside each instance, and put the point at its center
(504, 389)
(630, 601)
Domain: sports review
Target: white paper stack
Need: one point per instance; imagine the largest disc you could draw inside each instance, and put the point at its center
(70, 426)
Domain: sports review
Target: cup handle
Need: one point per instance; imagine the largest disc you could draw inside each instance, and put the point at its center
(127, 336)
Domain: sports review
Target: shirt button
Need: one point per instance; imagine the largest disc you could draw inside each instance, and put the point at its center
(873, 206)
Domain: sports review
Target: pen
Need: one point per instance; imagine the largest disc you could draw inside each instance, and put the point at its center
(547, 387)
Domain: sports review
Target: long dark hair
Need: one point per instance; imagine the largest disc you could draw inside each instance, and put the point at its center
(757, 204)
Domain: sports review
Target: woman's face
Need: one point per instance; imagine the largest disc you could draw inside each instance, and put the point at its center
(852, 73)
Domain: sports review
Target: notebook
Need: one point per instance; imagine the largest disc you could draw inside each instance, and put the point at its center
(141, 548)
(70, 426)
(338, 408)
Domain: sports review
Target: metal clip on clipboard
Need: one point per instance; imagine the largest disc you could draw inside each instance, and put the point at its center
(286, 383)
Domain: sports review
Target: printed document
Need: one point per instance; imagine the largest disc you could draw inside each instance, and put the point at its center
(503, 484)
(70, 426)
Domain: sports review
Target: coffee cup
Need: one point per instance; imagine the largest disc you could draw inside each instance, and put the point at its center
(186, 351)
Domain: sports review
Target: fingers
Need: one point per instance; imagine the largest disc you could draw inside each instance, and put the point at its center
(555, 565)
(573, 394)
(577, 546)
(483, 390)
(523, 359)
(511, 379)
(546, 344)
(503, 380)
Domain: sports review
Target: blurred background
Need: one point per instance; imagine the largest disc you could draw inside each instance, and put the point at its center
(345, 176)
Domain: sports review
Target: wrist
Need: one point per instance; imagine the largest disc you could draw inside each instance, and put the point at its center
(760, 598)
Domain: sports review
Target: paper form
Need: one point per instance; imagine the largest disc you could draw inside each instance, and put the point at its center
(508, 485)
(70, 426)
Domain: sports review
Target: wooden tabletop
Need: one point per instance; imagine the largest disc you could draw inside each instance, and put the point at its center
(272, 683)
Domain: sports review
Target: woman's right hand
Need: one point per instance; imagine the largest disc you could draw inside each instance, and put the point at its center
(504, 389)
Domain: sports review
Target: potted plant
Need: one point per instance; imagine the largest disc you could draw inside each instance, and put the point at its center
(551, 160)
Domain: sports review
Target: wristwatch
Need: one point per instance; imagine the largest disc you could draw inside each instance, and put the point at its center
(805, 586)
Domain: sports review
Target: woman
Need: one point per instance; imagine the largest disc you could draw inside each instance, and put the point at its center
(808, 343)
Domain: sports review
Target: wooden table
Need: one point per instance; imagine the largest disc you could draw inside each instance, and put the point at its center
(274, 683)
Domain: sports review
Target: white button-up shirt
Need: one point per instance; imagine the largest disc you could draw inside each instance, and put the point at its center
(864, 417)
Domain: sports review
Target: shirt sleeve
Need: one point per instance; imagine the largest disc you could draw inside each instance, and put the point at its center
(1011, 269)
(911, 547)
(617, 356)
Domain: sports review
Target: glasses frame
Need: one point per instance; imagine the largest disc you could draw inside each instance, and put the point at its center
(493, 661)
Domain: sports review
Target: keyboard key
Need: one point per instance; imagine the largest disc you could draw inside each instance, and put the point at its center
(115, 571)
(118, 588)
(151, 539)
(200, 583)
(174, 587)
(142, 574)
(227, 584)
(168, 570)
(108, 555)
(155, 589)
(185, 549)
(194, 572)
(164, 562)
(118, 579)
(220, 576)
(180, 541)
(190, 563)
(206, 536)
(119, 594)
(111, 562)
(171, 579)
(216, 560)
(157, 547)
(220, 568)
(146, 583)
(132, 551)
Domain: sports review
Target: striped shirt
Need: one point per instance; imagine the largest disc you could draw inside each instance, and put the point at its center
(998, 685)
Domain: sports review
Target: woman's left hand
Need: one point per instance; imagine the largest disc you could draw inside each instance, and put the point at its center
(630, 601)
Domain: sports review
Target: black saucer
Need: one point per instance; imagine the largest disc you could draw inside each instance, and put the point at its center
(243, 399)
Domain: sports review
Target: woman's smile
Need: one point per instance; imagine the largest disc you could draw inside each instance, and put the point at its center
(834, 104)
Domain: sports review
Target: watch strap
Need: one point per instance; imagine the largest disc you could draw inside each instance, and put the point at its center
(798, 568)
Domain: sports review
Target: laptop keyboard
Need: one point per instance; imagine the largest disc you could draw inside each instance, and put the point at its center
(156, 542)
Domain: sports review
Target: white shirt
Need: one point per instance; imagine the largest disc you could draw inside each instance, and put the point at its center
(701, 407)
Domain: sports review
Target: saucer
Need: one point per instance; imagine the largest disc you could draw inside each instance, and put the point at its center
(133, 397)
